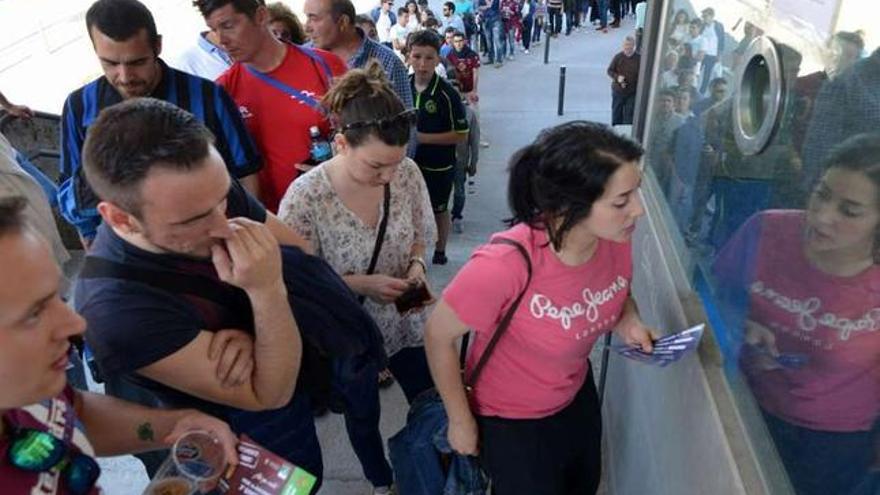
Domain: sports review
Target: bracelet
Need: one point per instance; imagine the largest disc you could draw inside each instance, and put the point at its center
(419, 260)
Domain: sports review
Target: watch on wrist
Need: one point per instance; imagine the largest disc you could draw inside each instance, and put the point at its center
(417, 260)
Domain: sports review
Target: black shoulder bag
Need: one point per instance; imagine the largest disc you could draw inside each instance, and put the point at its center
(380, 237)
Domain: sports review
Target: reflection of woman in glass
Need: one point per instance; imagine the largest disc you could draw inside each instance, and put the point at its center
(678, 31)
(810, 285)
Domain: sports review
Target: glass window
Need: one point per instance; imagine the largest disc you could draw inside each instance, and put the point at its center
(762, 137)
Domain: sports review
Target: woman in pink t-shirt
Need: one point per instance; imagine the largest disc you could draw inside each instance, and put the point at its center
(807, 285)
(534, 413)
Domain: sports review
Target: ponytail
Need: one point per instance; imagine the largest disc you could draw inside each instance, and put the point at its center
(520, 187)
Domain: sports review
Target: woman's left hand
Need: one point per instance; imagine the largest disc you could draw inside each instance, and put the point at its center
(416, 273)
(634, 332)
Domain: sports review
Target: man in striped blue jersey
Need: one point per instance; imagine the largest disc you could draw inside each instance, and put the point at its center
(127, 45)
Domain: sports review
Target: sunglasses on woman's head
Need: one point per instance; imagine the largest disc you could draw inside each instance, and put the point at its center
(409, 117)
(38, 451)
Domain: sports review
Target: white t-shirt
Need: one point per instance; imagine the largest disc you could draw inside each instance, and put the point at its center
(383, 25)
(413, 23)
(668, 79)
(710, 40)
(203, 59)
(398, 33)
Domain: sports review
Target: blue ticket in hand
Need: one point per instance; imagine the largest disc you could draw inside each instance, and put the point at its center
(792, 360)
(667, 349)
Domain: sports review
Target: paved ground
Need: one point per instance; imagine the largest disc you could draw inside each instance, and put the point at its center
(518, 101)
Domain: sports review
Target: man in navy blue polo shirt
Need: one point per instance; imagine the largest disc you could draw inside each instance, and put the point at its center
(127, 44)
(442, 124)
(171, 210)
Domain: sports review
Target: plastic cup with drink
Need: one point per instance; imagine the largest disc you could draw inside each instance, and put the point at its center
(193, 466)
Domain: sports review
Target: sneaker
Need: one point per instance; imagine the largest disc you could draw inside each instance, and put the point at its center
(439, 258)
(484, 144)
(510, 58)
(458, 226)
(498, 65)
(526, 51)
(385, 490)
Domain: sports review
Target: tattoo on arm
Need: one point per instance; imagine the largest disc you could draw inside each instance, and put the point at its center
(145, 432)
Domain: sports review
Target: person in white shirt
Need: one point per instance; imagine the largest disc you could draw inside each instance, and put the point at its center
(669, 70)
(398, 33)
(713, 35)
(697, 46)
(204, 59)
(384, 19)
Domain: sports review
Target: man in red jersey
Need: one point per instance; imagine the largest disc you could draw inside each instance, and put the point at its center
(277, 87)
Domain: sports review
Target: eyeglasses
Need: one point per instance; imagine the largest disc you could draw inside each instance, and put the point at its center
(409, 117)
(38, 451)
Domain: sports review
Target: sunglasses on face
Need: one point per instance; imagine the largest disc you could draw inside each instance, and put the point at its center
(39, 452)
(409, 117)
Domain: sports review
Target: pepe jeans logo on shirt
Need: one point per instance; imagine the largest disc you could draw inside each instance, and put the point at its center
(542, 306)
(809, 316)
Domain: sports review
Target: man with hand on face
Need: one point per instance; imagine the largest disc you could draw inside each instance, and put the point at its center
(127, 45)
(50, 432)
(277, 87)
(172, 212)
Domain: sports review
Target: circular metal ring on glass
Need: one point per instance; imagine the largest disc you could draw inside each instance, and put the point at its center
(758, 96)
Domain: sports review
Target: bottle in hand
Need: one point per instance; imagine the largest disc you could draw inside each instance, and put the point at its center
(320, 150)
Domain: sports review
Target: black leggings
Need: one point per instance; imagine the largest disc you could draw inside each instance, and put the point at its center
(555, 16)
(527, 32)
(556, 455)
(410, 368)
